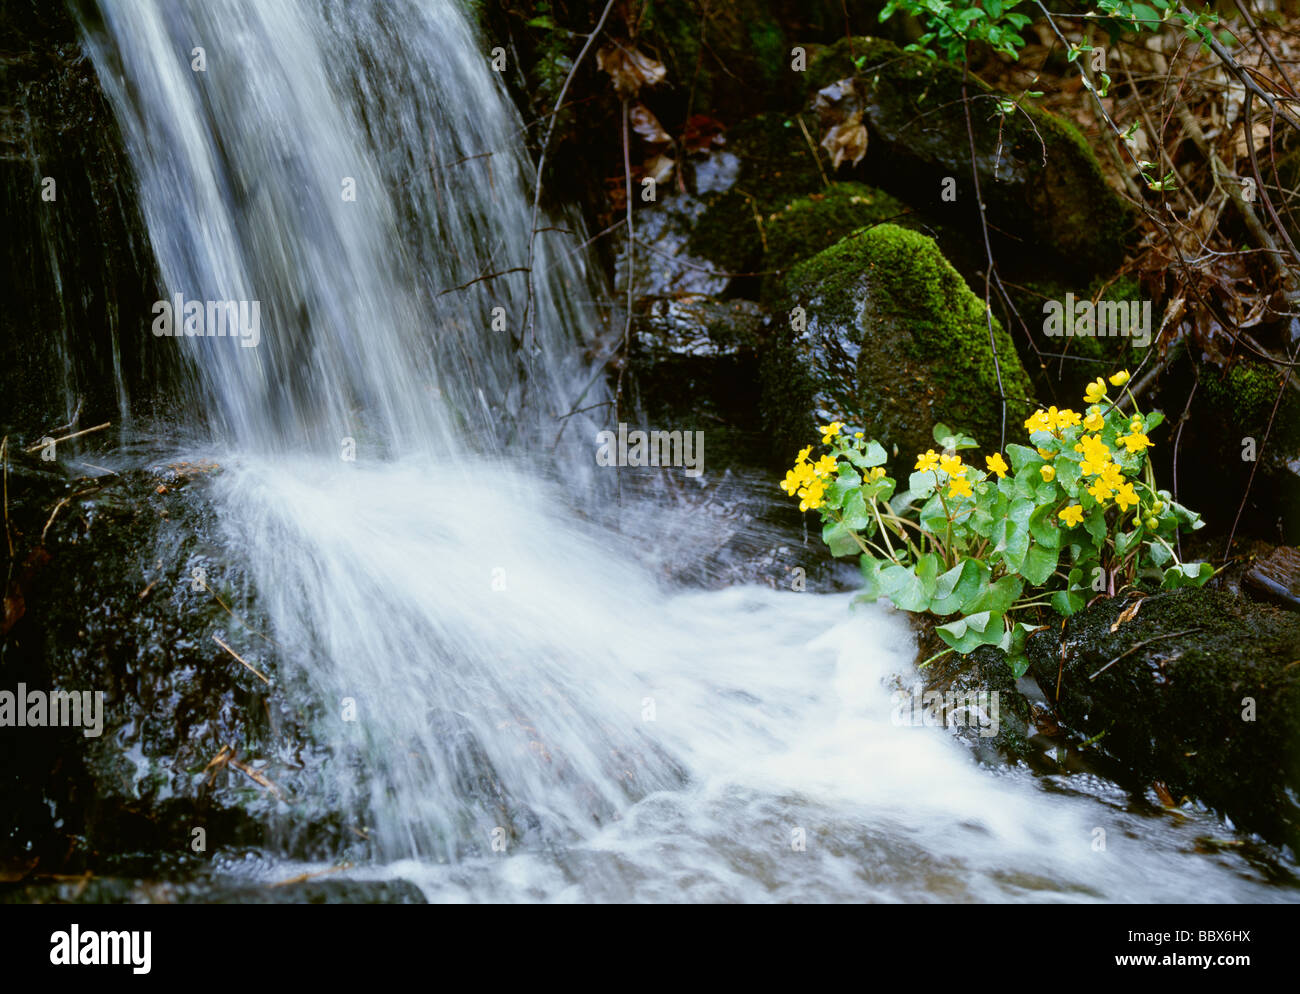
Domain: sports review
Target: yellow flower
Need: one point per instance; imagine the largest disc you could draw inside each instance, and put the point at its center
(877, 472)
(1112, 474)
(1120, 378)
(824, 466)
(1095, 392)
(926, 461)
(857, 434)
(1045, 455)
(1095, 454)
(1126, 496)
(1101, 491)
(1067, 418)
(996, 464)
(812, 496)
(797, 477)
(951, 465)
(1072, 515)
(1135, 442)
(959, 486)
(830, 431)
(803, 454)
(1094, 421)
(1048, 473)
(1038, 421)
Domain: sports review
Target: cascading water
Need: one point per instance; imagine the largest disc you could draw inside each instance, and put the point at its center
(519, 678)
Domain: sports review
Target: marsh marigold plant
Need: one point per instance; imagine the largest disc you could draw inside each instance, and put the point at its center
(1042, 526)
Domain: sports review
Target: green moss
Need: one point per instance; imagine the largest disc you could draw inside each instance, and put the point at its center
(897, 342)
(1170, 700)
(810, 224)
(1243, 396)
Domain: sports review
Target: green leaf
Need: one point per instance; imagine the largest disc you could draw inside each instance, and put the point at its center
(997, 597)
(872, 455)
(1187, 575)
(1125, 541)
(970, 632)
(1067, 602)
(856, 515)
(1042, 525)
(871, 567)
(1039, 565)
(1021, 456)
(839, 539)
(959, 585)
(1094, 522)
(1159, 554)
(1011, 534)
(904, 588)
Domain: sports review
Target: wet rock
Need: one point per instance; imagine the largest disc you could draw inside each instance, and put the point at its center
(74, 323)
(895, 342)
(981, 704)
(665, 262)
(1199, 691)
(129, 598)
(1276, 576)
(1038, 177)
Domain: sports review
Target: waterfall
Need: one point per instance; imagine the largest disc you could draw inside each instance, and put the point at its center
(357, 172)
(530, 713)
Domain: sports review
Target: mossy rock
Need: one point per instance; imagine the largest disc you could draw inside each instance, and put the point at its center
(811, 223)
(895, 342)
(1199, 690)
(1039, 179)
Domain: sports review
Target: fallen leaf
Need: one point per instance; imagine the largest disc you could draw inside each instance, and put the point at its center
(629, 69)
(645, 124)
(1128, 614)
(847, 140)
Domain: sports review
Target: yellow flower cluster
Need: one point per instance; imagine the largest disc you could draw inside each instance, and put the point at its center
(808, 480)
(1052, 420)
(958, 485)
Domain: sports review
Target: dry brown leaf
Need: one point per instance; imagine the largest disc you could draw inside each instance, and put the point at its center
(847, 140)
(645, 124)
(1128, 614)
(629, 69)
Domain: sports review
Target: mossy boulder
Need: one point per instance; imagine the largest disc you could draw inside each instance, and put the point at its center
(894, 343)
(814, 222)
(1199, 690)
(1040, 181)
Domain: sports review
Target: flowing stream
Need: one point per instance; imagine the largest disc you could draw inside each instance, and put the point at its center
(539, 716)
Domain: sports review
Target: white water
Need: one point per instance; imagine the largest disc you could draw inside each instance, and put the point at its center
(629, 741)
